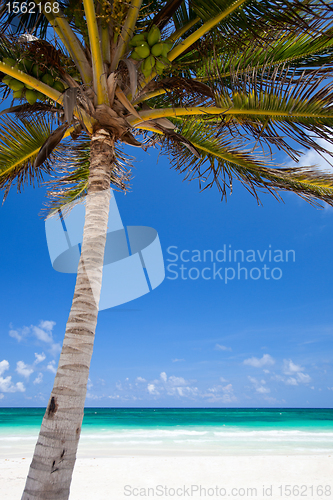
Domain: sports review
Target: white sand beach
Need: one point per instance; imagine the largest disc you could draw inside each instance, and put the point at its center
(138, 476)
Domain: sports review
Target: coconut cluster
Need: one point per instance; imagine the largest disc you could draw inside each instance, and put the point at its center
(22, 90)
(151, 51)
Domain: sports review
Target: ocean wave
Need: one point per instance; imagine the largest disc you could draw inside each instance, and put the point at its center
(278, 433)
(144, 433)
(19, 438)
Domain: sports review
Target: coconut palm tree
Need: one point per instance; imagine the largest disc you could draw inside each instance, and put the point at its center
(219, 84)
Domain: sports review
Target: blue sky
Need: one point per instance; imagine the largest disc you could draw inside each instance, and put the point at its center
(190, 342)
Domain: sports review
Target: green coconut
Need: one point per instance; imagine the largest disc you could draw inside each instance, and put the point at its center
(15, 85)
(138, 39)
(154, 35)
(142, 50)
(7, 79)
(47, 78)
(149, 63)
(159, 67)
(135, 56)
(161, 64)
(157, 49)
(17, 94)
(40, 96)
(165, 60)
(59, 86)
(146, 72)
(31, 96)
(166, 48)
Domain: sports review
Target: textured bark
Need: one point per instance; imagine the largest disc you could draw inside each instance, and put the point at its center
(53, 462)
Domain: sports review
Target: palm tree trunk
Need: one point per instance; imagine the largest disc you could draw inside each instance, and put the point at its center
(53, 462)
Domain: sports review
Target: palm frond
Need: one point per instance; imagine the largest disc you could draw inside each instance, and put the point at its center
(258, 16)
(20, 142)
(279, 111)
(300, 51)
(223, 160)
(272, 108)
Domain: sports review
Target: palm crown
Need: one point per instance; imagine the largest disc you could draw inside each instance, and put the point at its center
(217, 84)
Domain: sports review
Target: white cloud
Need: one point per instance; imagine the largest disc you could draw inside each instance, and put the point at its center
(262, 390)
(94, 396)
(39, 358)
(42, 335)
(259, 385)
(219, 347)
(304, 378)
(176, 360)
(175, 381)
(23, 369)
(186, 391)
(296, 372)
(6, 385)
(20, 333)
(266, 360)
(140, 379)
(311, 157)
(47, 325)
(51, 367)
(42, 332)
(2, 396)
(171, 386)
(219, 393)
(291, 381)
(289, 368)
(4, 365)
(223, 379)
(16, 335)
(38, 379)
(90, 384)
(152, 389)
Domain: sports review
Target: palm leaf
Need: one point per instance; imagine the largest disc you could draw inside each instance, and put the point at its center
(272, 109)
(256, 15)
(222, 160)
(301, 51)
(20, 142)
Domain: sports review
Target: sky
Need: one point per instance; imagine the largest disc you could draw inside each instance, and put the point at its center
(264, 341)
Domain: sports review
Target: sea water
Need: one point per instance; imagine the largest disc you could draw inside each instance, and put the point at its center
(110, 432)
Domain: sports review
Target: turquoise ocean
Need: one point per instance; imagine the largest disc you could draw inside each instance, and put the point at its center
(201, 431)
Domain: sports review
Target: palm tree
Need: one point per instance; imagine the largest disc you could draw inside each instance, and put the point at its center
(219, 85)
